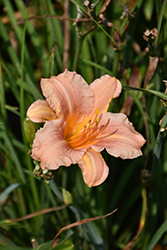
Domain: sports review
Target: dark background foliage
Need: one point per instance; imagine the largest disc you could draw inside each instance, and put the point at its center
(113, 44)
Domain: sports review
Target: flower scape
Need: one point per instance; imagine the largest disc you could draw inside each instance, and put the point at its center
(78, 127)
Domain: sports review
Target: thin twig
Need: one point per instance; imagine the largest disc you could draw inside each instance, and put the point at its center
(53, 16)
(77, 223)
(44, 211)
(125, 8)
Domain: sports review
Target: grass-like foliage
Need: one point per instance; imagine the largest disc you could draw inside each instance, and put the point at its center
(126, 39)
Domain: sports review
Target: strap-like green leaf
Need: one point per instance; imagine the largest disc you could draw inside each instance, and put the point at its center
(8, 190)
(154, 92)
(157, 236)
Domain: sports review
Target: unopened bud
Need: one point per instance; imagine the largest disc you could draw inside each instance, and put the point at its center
(45, 171)
(29, 129)
(66, 197)
(86, 3)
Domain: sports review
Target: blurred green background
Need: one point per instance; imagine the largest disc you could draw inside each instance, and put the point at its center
(110, 40)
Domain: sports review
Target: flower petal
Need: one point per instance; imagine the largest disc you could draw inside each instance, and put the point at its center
(69, 96)
(94, 168)
(119, 137)
(105, 89)
(51, 149)
(39, 111)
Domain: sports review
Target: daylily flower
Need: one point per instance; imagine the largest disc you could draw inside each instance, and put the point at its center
(78, 127)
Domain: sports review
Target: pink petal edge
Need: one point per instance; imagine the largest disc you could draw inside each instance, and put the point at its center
(69, 96)
(51, 149)
(119, 138)
(39, 111)
(94, 168)
(105, 89)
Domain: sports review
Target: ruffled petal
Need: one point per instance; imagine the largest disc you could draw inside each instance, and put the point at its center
(39, 111)
(119, 137)
(69, 96)
(94, 168)
(105, 89)
(51, 149)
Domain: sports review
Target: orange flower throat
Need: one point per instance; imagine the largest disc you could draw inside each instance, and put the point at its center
(88, 135)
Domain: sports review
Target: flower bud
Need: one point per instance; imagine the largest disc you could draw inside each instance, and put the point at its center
(67, 197)
(29, 129)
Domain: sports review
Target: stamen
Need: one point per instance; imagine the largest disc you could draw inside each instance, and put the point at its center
(96, 139)
(99, 138)
(102, 128)
(97, 111)
(89, 134)
(97, 120)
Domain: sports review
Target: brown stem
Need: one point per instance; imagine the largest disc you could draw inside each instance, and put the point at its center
(66, 35)
(29, 216)
(53, 16)
(77, 223)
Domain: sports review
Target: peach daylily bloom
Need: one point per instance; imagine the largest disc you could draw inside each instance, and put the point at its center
(78, 127)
